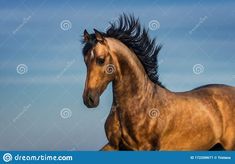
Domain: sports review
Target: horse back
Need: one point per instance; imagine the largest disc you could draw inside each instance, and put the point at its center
(220, 100)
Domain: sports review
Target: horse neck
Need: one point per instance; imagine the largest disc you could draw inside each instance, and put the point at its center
(131, 79)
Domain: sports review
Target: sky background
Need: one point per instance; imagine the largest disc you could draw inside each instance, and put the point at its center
(41, 106)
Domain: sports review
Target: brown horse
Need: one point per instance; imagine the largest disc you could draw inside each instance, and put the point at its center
(144, 114)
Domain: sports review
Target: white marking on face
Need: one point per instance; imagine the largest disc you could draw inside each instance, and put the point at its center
(92, 54)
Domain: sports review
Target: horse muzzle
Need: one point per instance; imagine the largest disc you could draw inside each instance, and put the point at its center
(91, 98)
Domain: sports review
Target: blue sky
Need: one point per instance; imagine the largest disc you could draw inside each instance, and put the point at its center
(194, 32)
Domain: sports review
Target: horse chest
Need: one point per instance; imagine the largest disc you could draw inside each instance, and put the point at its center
(132, 130)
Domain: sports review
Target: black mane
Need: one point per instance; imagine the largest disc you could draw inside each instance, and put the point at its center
(128, 30)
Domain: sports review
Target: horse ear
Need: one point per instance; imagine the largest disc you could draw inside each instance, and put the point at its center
(99, 36)
(86, 36)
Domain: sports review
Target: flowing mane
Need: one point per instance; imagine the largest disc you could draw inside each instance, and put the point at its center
(129, 31)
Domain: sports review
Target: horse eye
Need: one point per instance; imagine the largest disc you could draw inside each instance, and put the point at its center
(100, 61)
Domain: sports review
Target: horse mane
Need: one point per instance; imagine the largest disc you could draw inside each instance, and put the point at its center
(129, 31)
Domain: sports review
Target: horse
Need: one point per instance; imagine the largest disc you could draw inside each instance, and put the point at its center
(145, 115)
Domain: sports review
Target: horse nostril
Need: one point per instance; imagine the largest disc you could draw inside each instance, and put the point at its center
(90, 99)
